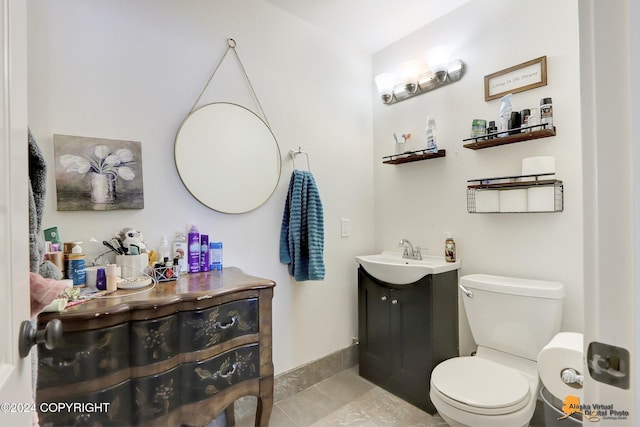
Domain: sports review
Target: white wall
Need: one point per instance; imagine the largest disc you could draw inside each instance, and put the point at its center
(422, 200)
(132, 70)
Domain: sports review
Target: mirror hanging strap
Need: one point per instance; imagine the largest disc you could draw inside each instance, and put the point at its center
(231, 45)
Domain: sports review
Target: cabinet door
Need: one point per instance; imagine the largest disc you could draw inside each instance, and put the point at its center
(374, 328)
(412, 340)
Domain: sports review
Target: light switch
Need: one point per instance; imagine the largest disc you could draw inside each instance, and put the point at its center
(345, 227)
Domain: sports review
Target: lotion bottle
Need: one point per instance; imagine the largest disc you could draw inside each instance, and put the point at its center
(77, 270)
(194, 250)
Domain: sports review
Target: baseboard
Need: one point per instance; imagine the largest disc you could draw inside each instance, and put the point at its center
(297, 379)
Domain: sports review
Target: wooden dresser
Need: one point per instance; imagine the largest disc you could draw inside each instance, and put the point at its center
(176, 354)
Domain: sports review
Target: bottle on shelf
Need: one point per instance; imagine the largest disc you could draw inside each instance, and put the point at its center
(505, 114)
(432, 146)
(546, 113)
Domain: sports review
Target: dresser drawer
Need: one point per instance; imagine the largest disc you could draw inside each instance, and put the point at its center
(205, 328)
(154, 340)
(109, 407)
(201, 380)
(83, 356)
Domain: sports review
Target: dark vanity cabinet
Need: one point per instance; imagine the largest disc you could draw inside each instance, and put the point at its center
(405, 331)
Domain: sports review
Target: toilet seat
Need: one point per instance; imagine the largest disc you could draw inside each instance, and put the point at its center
(480, 386)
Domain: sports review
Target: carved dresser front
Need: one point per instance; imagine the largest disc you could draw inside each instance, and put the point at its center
(175, 354)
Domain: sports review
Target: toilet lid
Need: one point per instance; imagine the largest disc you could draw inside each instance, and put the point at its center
(481, 386)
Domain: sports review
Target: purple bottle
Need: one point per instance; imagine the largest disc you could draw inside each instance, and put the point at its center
(204, 252)
(193, 249)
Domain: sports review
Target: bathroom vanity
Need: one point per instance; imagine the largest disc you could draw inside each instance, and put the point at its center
(175, 354)
(405, 330)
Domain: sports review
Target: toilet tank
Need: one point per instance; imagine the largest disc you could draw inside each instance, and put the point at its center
(513, 315)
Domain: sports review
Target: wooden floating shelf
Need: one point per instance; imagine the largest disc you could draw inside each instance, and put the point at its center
(412, 156)
(509, 139)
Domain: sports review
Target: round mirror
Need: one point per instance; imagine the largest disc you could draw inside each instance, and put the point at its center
(227, 157)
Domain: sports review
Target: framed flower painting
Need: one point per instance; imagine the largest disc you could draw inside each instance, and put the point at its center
(97, 174)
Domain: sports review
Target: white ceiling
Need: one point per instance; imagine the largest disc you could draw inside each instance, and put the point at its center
(369, 24)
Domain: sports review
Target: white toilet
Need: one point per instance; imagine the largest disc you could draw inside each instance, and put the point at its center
(511, 320)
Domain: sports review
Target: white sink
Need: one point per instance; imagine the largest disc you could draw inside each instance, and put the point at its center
(390, 267)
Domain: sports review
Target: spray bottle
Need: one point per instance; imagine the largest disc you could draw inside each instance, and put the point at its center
(193, 248)
(431, 135)
(505, 114)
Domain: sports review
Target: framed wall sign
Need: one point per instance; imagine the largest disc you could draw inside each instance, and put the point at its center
(521, 77)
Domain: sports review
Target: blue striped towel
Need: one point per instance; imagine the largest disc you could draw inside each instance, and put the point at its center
(302, 232)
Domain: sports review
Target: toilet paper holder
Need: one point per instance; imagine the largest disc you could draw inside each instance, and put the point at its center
(572, 378)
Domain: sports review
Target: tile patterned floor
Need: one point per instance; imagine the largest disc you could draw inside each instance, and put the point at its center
(346, 399)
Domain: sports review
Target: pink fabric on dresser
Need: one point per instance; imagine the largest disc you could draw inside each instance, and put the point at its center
(43, 292)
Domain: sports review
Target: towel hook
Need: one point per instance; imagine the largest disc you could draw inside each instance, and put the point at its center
(294, 153)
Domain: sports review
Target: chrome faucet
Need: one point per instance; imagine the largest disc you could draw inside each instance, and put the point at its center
(409, 252)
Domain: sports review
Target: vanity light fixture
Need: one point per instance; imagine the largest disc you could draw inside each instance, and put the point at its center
(412, 81)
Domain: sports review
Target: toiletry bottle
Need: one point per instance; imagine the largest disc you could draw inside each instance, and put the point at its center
(524, 119)
(505, 115)
(491, 130)
(180, 251)
(432, 147)
(163, 249)
(546, 113)
(449, 248)
(193, 255)
(514, 123)
(77, 266)
(101, 279)
(215, 250)
(478, 128)
(112, 277)
(534, 119)
(204, 252)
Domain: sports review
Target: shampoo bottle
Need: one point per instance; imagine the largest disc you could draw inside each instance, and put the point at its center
(180, 251)
(193, 257)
